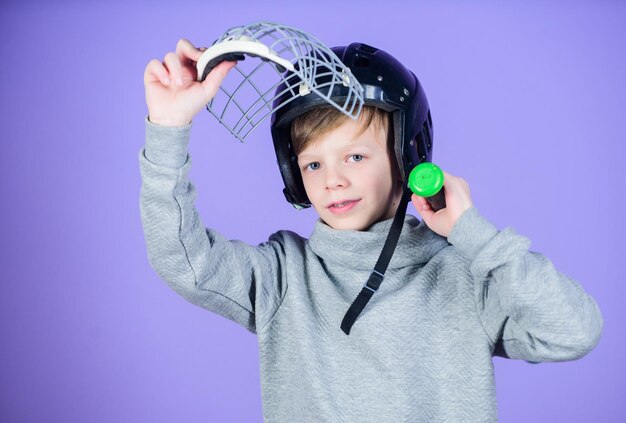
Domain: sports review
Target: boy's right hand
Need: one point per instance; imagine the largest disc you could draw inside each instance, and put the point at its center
(173, 94)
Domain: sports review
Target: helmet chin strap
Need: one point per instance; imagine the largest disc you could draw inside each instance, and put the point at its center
(376, 278)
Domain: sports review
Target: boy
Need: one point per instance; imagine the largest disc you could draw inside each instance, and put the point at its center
(456, 292)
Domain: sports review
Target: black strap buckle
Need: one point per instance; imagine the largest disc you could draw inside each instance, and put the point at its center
(374, 281)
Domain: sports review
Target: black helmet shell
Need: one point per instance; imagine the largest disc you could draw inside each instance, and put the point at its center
(387, 85)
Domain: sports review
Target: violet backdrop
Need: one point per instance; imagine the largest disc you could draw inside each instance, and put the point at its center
(528, 103)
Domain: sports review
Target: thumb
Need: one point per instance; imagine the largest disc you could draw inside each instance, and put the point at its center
(214, 79)
(423, 208)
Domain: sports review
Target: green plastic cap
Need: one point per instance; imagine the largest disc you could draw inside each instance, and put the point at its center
(426, 179)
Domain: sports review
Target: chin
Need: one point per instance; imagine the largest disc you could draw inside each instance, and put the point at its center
(347, 224)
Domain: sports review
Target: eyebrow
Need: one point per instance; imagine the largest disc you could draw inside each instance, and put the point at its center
(342, 150)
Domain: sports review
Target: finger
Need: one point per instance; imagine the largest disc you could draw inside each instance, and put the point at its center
(422, 207)
(172, 63)
(155, 71)
(214, 79)
(418, 201)
(456, 183)
(446, 174)
(187, 52)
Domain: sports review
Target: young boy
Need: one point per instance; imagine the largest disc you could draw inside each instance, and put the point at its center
(457, 291)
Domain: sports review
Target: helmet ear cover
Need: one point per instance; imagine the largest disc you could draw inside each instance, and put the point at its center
(288, 164)
(387, 85)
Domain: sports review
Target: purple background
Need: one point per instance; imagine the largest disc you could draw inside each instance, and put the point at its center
(528, 102)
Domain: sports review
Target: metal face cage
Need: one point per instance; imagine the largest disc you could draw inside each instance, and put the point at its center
(247, 95)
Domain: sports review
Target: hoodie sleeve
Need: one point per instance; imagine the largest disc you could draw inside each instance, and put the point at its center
(529, 309)
(238, 281)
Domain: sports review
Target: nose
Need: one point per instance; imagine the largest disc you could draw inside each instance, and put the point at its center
(335, 178)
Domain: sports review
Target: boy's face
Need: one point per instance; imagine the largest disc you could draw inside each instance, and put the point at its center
(348, 177)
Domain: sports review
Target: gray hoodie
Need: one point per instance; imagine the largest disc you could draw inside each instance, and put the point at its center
(422, 349)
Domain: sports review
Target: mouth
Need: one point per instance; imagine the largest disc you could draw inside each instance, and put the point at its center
(342, 206)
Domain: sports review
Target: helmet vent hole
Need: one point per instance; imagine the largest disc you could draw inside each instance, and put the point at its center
(368, 49)
(362, 62)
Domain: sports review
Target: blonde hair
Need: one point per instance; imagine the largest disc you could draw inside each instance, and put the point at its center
(311, 126)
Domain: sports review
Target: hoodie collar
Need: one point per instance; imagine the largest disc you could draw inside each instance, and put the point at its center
(360, 249)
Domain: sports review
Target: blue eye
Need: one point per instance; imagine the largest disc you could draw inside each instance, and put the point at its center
(313, 166)
(356, 157)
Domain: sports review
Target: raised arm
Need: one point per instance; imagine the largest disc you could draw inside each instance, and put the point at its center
(529, 309)
(241, 282)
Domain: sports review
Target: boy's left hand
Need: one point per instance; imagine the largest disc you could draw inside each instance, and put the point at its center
(458, 200)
